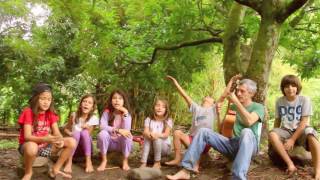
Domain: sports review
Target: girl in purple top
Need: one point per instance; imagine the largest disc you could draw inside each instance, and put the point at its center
(115, 125)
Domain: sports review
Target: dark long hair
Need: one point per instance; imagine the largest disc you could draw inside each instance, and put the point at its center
(79, 112)
(111, 109)
(34, 105)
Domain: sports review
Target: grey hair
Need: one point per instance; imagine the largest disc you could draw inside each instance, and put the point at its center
(251, 85)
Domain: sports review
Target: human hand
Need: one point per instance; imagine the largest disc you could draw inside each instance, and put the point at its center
(59, 144)
(229, 88)
(155, 136)
(51, 139)
(147, 135)
(232, 97)
(288, 145)
(122, 109)
(85, 126)
(125, 133)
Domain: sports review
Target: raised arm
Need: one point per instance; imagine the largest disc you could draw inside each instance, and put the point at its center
(180, 90)
(228, 90)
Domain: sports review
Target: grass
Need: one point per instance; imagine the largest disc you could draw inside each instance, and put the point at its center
(8, 144)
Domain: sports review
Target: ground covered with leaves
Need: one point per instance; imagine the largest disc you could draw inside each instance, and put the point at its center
(214, 166)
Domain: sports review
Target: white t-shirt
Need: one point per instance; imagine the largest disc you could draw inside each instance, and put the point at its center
(202, 117)
(158, 126)
(290, 113)
(93, 121)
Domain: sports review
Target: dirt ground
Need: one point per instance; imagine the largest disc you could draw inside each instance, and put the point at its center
(214, 166)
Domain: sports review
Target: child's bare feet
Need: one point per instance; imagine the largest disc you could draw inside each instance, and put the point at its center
(68, 167)
(182, 174)
(157, 165)
(27, 176)
(53, 173)
(143, 165)
(102, 166)
(125, 164)
(317, 175)
(89, 167)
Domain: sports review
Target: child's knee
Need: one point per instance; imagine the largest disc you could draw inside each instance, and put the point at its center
(272, 135)
(30, 149)
(70, 142)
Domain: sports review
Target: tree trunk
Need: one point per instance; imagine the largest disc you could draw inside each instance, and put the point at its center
(231, 42)
(262, 55)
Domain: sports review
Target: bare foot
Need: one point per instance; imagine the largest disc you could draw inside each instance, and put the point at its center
(126, 166)
(27, 176)
(53, 173)
(102, 166)
(143, 165)
(182, 174)
(196, 168)
(175, 162)
(157, 165)
(68, 168)
(89, 167)
(317, 176)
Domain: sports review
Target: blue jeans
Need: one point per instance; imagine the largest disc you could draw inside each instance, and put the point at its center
(240, 149)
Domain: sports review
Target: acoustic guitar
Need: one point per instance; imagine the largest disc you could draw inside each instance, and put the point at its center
(226, 128)
(228, 122)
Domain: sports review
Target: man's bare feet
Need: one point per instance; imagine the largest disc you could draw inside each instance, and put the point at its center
(157, 165)
(182, 174)
(102, 166)
(27, 176)
(196, 168)
(175, 162)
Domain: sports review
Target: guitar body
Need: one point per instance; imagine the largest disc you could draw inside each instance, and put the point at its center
(227, 124)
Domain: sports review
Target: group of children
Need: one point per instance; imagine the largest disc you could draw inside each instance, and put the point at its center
(40, 135)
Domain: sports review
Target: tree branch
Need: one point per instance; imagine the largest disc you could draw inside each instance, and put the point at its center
(306, 29)
(178, 46)
(254, 4)
(290, 9)
(295, 21)
(213, 32)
